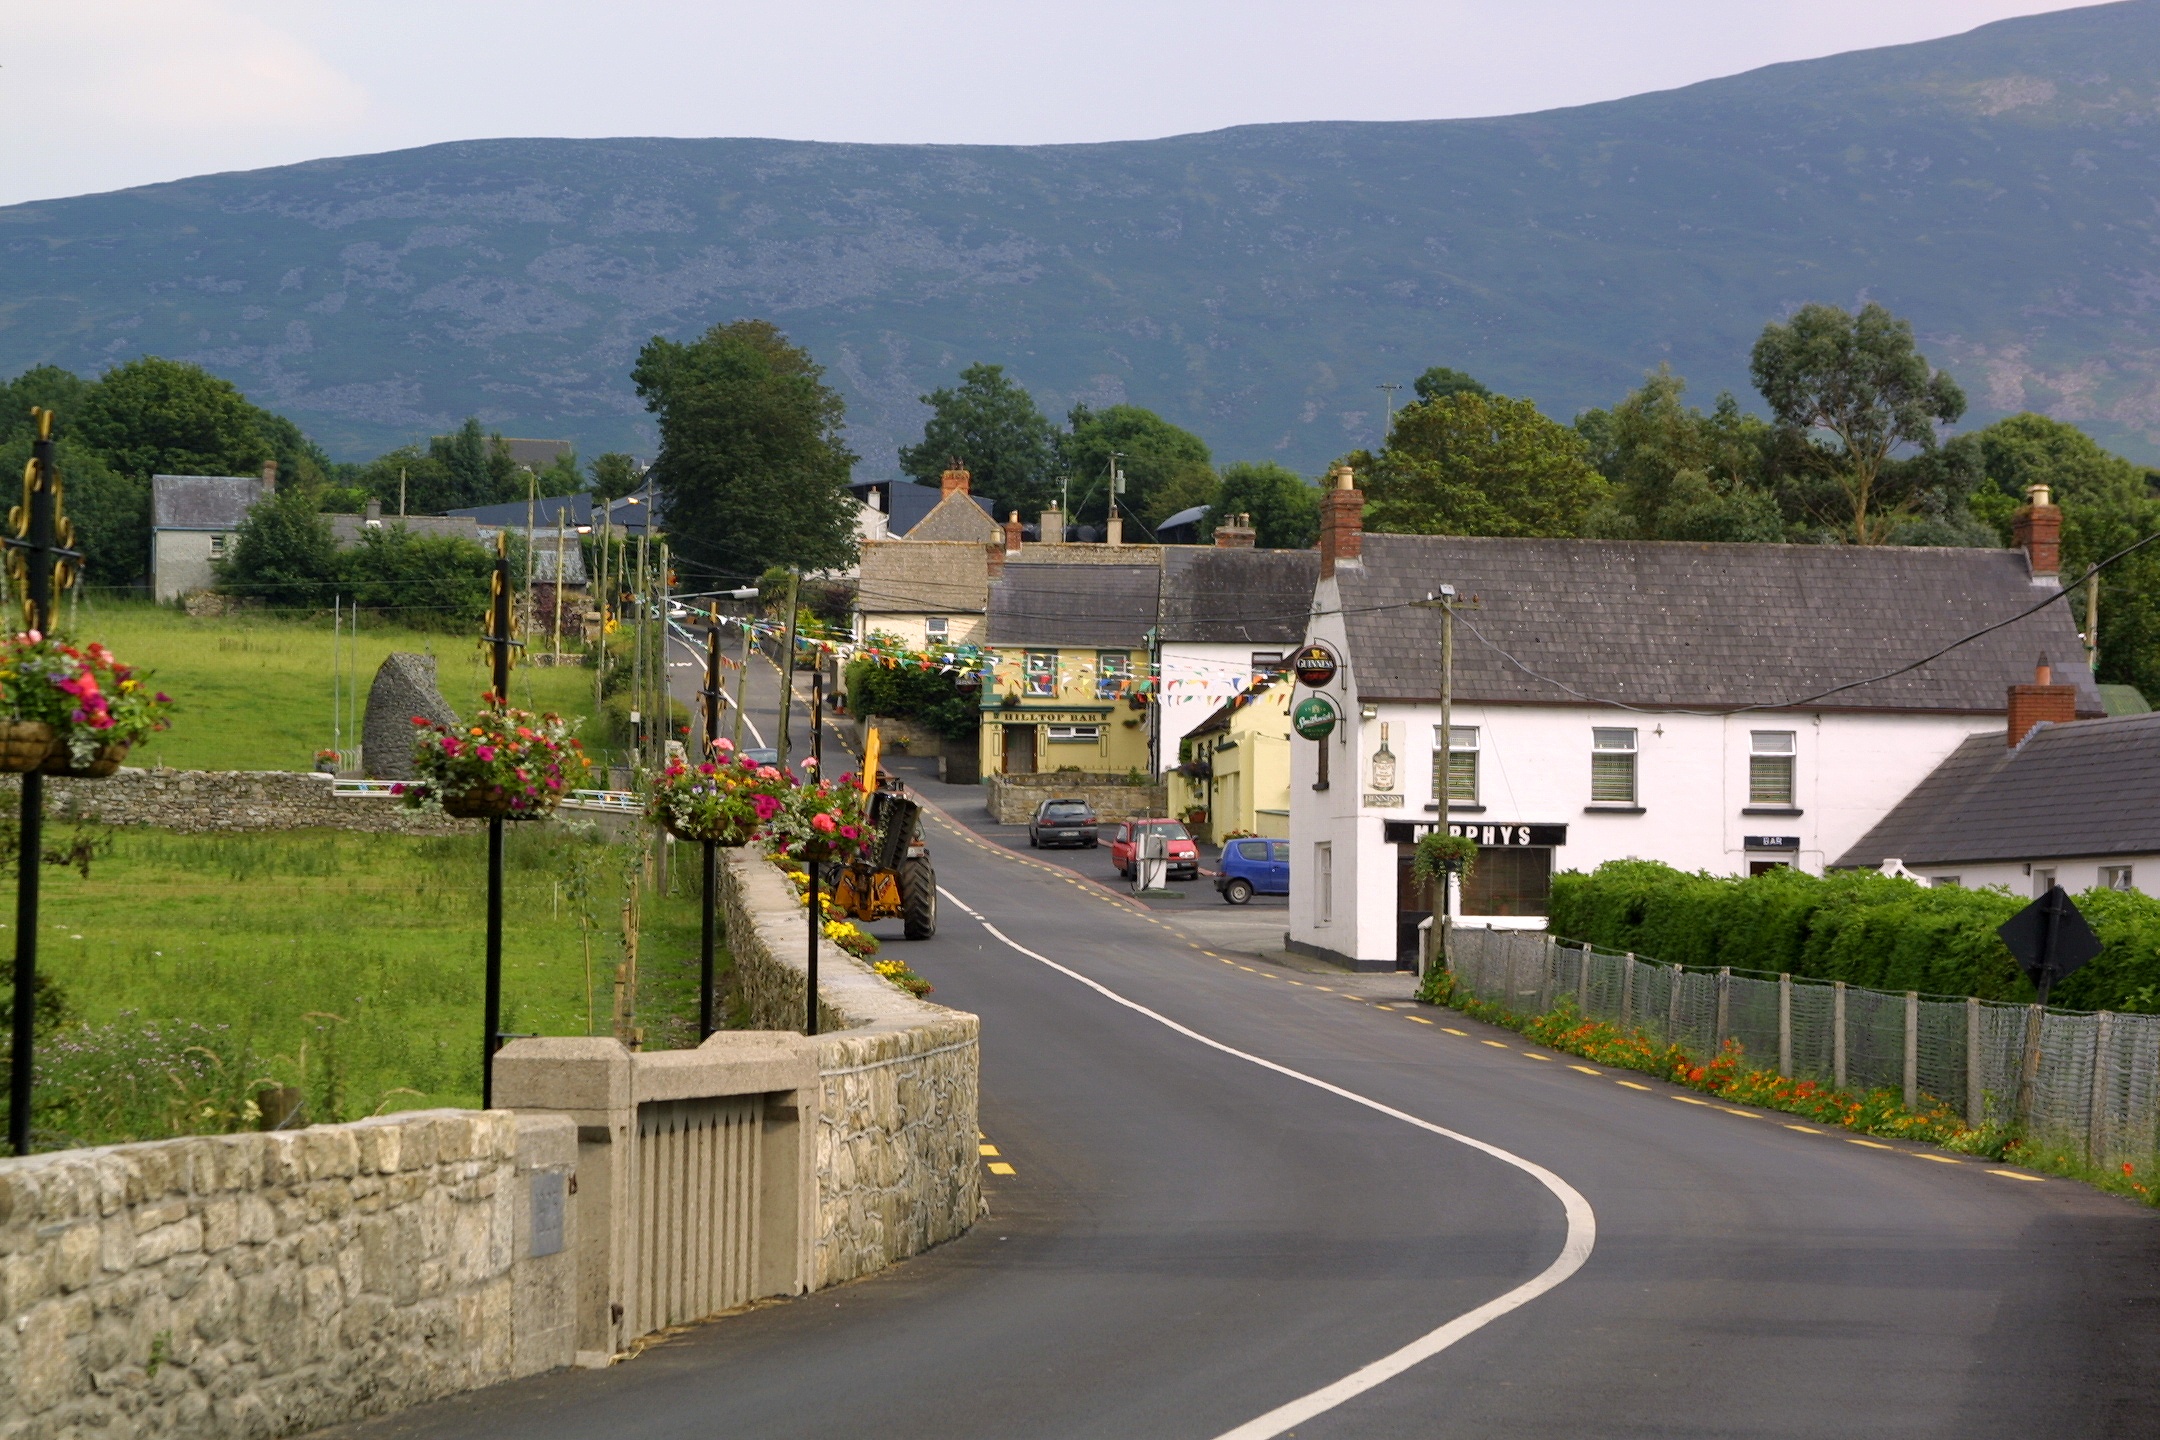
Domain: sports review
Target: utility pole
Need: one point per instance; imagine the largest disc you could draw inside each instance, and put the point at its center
(742, 677)
(640, 722)
(711, 696)
(532, 503)
(401, 492)
(1390, 389)
(787, 680)
(1443, 600)
(663, 695)
(561, 534)
(2092, 620)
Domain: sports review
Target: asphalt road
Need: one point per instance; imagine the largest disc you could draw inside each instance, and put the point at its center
(1190, 1239)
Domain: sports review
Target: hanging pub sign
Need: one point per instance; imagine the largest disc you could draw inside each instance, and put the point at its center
(1315, 665)
(1314, 718)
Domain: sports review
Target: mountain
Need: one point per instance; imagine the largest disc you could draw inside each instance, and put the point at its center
(2001, 188)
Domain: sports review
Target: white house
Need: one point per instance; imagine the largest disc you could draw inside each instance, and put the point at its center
(1706, 705)
(1231, 616)
(192, 520)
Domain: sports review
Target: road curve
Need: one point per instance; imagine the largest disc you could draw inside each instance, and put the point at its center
(1190, 1240)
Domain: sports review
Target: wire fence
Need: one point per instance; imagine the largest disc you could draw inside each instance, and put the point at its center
(2096, 1089)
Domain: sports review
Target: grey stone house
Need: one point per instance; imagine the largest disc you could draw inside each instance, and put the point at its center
(192, 520)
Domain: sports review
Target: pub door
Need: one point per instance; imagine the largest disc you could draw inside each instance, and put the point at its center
(1020, 749)
(1415, 902)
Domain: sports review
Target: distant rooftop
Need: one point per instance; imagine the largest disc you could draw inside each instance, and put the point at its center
(203, 502)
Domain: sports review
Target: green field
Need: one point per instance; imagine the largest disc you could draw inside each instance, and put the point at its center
(197, 967)
(254, 691)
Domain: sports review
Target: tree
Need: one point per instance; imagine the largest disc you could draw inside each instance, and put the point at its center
(1678, 474)
(614, 475)
(475, 469)
(430, 582)
(406, 480)
(282, 554)
(1440, 382)
(1860, 380)
(161, 417)
(991, 427)
(1474, 464)
(1285, 508)
(46, 387)
(1154, 454)
(561, 475)
(752, 468)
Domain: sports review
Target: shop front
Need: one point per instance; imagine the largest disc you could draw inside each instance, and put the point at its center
(1510, 881)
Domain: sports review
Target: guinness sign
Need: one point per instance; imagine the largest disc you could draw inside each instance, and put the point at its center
(1315, 665)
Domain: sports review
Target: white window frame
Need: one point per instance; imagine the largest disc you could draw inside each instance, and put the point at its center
(2116, 877)
(1111, 668)
(1072, 734)
(1768, 751)
(936, 627)
(1039, 675)
(1607, 744)
(1463, 740)
(217, 546)
(1323, 882)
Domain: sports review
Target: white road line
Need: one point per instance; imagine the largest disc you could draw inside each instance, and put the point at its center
(962, 907)
(1581, 1225)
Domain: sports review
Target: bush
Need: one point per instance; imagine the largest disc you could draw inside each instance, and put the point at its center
(430, 582)
(929, 697)
(1856, 926)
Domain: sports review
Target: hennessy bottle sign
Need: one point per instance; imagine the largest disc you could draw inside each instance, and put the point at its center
(1383, 763)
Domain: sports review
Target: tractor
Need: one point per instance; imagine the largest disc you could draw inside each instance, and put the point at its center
(896, 879)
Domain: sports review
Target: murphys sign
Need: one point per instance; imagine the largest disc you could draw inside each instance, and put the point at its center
(1315, 665)
(1314, 717)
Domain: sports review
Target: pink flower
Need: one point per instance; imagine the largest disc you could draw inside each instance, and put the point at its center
(398, 789)
(822, 823)
(766, 805)
(767, 772)
(851, 832)
(723, 744)
(163, 698)
(485, 752)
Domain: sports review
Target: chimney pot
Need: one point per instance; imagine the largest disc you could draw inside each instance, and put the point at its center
(269, 476)
(1342, 522)
(954, 482)
(2036, 528)
(1236, 533)
(1013, 534)
(2041, 703)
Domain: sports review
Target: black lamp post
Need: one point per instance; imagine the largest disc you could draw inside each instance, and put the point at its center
(711, 696)
(499, 638)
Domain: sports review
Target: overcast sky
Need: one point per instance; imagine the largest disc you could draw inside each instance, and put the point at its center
(101, 94)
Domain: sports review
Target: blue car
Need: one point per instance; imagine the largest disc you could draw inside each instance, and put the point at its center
(1251, 867)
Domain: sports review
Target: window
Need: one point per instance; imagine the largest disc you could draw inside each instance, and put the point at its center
(1267, 664)
(1042, 673)
(1323, 869)
(1252, 850)
(935, 626)
(1112, 669)
(1612, 770)
(1955, 882)
(1462, 773)
(1509, 880)
(217, 545)
(1073, 734)
(2115, 877)
(2043, 881)
(1770, 767)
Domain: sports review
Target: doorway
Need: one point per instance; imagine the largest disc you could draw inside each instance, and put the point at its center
(1020, 749)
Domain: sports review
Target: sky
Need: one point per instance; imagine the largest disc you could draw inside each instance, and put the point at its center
(103, 94)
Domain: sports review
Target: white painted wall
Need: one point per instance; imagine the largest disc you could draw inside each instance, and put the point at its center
(1197, 678)
(2074, 875)
(180, 563)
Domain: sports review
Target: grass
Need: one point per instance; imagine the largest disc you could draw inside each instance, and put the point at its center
(254, 691)
(350, 965)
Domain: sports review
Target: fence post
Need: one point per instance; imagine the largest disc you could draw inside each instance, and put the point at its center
(1975, 1080)
(1837, 1035)
(1586, 956)
(2096, 1118)
(1724, 1005)
(1627, 989)
(1912, 1049)
(1678, 974)
(1784, 1026)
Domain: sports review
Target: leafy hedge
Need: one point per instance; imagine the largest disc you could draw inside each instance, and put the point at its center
(1856, 926)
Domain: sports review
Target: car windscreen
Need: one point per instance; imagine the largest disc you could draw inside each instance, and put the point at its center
(1171, 830)
(1064, 810)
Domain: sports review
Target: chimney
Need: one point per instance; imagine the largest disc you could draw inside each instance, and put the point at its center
(955, 481)
(1053, 527)
(996, 561)
(1235, 533)
(270, 477)
(2041, 703)
(2036, 528)
(374, 512)
(1342, 522)
(1012, 534)
(1114, 531)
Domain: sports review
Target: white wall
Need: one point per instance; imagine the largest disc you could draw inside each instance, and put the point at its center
(2075, 876)
(180, 563)
(1196, 680)
(960, 628)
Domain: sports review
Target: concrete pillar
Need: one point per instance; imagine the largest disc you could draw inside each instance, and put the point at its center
(1975, 1072)
(1912, 1050)
(1837, 1035)
(1784, 1026)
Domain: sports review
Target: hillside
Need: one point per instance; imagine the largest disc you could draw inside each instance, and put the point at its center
(2002, 188)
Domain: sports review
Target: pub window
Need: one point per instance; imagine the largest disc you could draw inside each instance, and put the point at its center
(1462, 771)
(1073, 734)
(1042, 673)
(1323, 853)
(1770, 767)
(1267, 664)
(935, 626)
(1112, 669)
(1508, 880)
(2115, 877)
(1612, 767)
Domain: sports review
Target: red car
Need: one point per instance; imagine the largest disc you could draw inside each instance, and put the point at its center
(1184, 856)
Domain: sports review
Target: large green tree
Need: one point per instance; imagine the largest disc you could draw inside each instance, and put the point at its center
(1471, 464)
(162, 417)
(1162, 463)
(614, 475)
(989, 425)
(45, 387)
(1679, 474)
(1284, 505)
(753, 470)
(430, 582)
(1858, 388)
(282, 554)
(1439, 382)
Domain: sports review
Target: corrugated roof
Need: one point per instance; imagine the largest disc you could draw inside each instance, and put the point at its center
(1678, 624)
(1112, 605)
(923, 577)
(1233, 595)
(2089, 788)
(202, 502)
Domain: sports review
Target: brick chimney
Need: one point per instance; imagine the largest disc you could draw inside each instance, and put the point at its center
(1114, 528)
(1052, 531)
(2041, 703)
(1012, 534)
(1342, 522)
(954, 481)
(2036, 528)
(269, 477)
(1236, 533)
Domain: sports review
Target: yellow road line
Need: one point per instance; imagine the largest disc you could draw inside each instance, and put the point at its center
(1533, 1055)
(2014, 1175)
(1871, 1144)
(1804, 1129)
(1690, 1100)
(999, 1167)
(1586, 1069)
(987, 1149)
(1495, 1044)
(1329, 988)
(1453, 1031)
(1749, 1114)
(1417, 1019)
(1631, 1085)
(1938, 1159)
(1378, 1006)
(1299, 983)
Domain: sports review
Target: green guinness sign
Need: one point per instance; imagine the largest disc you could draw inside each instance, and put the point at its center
(1314, 717)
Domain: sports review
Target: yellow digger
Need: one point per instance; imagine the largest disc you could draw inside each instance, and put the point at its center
(895, 880)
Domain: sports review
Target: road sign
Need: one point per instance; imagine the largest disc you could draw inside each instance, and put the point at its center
(1314, 717)
(2049, 938)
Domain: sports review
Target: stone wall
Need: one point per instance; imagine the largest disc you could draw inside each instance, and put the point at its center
(1013, 798)
(896, 1154)
(263, 1284)
(199, 801)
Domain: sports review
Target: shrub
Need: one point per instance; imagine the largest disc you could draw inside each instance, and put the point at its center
(930, 697)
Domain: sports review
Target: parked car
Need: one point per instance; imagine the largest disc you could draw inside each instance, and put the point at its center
(1254, 867)
(1183, 854)
(1064, 822)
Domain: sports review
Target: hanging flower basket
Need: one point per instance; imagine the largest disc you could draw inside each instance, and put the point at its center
(721, 801)
(102, 762)
(25, 745)
(822, 823)
(506, 765)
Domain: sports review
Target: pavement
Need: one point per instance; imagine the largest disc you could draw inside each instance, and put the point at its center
(1236, 1187)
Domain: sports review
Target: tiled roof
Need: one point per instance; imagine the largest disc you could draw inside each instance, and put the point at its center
(905, 503)
(1110, 605)
(957, 517)
(1217, 593)
(1677, 624)
(202, 502)
(2089, 788)
(924, 577)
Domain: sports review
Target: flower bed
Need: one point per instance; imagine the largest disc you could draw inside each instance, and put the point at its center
(508, 763)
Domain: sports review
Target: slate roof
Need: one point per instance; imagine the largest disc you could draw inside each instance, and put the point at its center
(906, 503)
(2089, 788)
(1679, 624)
(1084, 605)
(538, 454)
(1234, 595)
(202, 502)
(957, 517)
(582, 511)
(923, 577)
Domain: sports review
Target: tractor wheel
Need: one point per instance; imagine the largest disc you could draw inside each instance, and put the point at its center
(918, 898)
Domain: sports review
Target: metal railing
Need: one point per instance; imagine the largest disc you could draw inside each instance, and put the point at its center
(2097, 1090)
(617, 802)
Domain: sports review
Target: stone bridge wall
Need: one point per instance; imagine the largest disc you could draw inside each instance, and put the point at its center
(200, 801)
